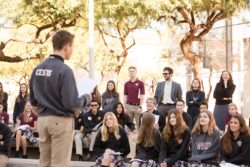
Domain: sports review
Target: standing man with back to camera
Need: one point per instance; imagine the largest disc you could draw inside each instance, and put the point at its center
(53, 90)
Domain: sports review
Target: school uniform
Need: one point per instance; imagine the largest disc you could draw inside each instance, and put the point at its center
(171, 151)
(240, 151)
(90, 123)
(78, 138)
(5, 144)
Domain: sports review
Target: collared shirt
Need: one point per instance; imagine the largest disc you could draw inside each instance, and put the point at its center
(91, 120)
(133, 90)
(31, 121)
(167, 93)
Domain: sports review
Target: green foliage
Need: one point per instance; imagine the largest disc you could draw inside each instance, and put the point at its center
(41, 12)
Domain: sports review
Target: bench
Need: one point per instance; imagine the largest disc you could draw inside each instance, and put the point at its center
(18, 162)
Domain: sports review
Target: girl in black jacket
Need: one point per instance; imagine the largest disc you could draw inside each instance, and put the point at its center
(235, 143)
(20, 101)
(148, 143)
(175, 140)
(122, 118)
(194, 98)
(223, 94)
(111, 143)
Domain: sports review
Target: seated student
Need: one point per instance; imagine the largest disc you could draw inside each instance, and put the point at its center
(148, 143)
(5, 144)
(203, 107)
(180, 105)
(78, 138)
(29, 119)
(235, 143)
(4, 116)
(175, 140)
(111, 143)
(160, 124)
(92, 122)
(205, 141)
(233, 110)
(122, 118)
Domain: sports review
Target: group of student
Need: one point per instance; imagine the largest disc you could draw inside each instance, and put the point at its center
(177, 144)
(24, 119)
(167, 135)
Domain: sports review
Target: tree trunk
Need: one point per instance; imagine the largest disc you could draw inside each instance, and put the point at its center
(193, 58)
(122, 58)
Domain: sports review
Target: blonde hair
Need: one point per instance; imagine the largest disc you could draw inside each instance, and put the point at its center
(211, 127)
(25, 111)
(232, 105)
(115, 128)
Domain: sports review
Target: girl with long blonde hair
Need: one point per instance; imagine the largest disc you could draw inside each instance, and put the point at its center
(175, 140)
(26, 121)
(111, 143)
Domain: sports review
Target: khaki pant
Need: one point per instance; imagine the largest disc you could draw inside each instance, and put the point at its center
(3, 160)
(55, 140)
(78, 142)
(132, 112)
(91, 138)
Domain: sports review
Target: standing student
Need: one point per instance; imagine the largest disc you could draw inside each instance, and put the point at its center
(180, 105)
(134, 92)
(20, 101)
(29, 118)
(223, 94)
(4, 116)
(110, 97)
(194, 98)
(122, 118)
(111, 143)
(148, 143)
(5, 144)
(3, 97)
(175, 140)
(95, 95)
(205, 141)
(235, 143)
(53, 90)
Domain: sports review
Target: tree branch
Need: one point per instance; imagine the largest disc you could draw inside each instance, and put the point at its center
(102, 34)
(184, 14)
(192, 17)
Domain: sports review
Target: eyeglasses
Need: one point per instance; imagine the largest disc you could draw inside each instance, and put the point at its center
(94, 105)
(165, 73)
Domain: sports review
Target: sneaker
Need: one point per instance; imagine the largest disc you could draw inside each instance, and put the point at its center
(87, 157)
(17, 154)
(25, 156)
(80, 158)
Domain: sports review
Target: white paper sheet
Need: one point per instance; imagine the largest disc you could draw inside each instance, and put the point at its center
(86, 86)
(228, 165)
